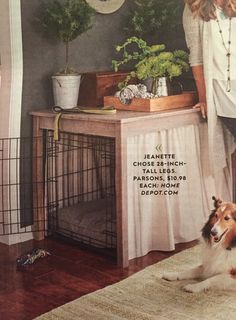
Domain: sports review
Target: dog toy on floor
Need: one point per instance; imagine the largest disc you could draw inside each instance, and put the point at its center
(30, 258)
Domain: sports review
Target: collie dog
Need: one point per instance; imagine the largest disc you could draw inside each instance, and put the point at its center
(218, 268)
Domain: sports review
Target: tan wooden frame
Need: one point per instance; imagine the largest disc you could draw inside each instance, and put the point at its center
(119, 126)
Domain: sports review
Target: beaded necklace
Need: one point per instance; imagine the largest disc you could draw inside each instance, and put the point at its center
(228, 52)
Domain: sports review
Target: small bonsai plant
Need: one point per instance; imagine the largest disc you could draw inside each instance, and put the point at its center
(137, 53)
(65, 20)
(151, 61)
(154, 17)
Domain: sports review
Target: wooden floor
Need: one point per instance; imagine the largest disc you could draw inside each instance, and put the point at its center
(67, 274)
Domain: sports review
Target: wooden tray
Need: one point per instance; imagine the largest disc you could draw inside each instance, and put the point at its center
(186, 99)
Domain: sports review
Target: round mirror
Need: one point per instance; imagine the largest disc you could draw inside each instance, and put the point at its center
(105, 6)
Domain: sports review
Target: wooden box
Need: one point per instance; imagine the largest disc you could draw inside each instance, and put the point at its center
(187, 98)
(94, 86)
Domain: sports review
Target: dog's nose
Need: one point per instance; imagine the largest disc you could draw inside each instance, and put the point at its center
(213, 232)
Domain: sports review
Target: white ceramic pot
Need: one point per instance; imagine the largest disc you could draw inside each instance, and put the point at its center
(66, 90)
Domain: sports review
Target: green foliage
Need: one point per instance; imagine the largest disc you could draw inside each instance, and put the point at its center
(153, 16)
(141, 51)
(151, 61)
(165, 64)
(65, 20)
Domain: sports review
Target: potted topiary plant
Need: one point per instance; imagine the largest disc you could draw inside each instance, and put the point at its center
(152, 62)
(65, 20)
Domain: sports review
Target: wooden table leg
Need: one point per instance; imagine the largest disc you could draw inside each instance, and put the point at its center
(121, 198)
(38, 182)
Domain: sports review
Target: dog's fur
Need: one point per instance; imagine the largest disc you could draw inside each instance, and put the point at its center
(218, 268)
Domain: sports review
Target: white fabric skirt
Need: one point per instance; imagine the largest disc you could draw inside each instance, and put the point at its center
(158, 222)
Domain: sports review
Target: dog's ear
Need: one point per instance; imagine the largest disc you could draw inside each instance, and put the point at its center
(217, 202)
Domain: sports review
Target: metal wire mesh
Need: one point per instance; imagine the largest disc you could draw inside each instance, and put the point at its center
(17, 185)
(74, 194)
(80, 175)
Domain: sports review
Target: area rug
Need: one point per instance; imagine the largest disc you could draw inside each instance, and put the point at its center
(145, 296)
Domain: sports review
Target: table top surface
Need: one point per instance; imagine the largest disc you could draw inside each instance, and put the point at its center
(119, 116)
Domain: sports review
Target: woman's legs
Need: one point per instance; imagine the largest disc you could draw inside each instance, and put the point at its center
(230, 123)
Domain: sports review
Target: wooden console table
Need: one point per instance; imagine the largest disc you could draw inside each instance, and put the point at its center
(119, 126)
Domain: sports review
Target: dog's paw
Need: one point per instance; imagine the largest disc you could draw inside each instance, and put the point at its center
(194, 288)
(170, 276)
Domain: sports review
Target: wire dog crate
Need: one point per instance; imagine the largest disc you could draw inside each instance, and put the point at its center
(80, 179)
(79, 188)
